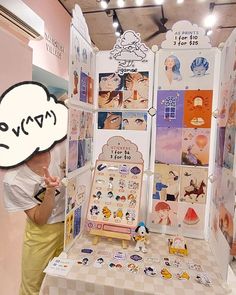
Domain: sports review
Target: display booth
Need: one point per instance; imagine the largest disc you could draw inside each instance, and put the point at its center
(151, 138)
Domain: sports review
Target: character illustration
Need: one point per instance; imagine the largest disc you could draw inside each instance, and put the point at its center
(166, 274)
(132, 199)
(195, 189)
(118, 214)
(172, 68)
(199, 66)
(94, 210)
(106, 212)
(110, 82)
(128, 48)
(150, 271)
(163, 210)
(110, 99)
(130, 215)
(141, 238)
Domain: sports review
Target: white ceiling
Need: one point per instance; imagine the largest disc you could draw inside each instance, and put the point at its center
(140, 19)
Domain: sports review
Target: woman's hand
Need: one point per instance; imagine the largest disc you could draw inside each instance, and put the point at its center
(50, 181)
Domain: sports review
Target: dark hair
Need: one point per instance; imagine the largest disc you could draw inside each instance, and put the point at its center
(112, 94)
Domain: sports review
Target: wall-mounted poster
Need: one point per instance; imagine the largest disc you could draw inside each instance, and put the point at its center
(229, 147)
(134, 121)
(195, 146)
(166, 185)
(170, 105)
(193, 185)
(110, 82)
(168, 145)
(224, 103)
(197, 108)
(109, 120)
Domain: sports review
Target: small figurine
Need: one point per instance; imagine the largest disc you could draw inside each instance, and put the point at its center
(178, 246)
(141, 238)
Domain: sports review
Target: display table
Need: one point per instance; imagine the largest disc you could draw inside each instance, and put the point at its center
(88, 280)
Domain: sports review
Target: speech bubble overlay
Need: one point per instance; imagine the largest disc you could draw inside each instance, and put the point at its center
(31, 120)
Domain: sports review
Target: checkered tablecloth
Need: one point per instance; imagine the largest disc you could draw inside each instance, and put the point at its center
(88, 280)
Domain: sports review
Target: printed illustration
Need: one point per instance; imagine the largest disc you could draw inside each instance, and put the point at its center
(199, 66)
(73, 155)
(77, 222)
(192, 218)
(132, 100)
(170, 105)
(110, 82)
(226, 224)
(69, 229)
(137, 83)
(166, 184)
(134, 121)
(172, 68)
(224, 103)
(74, 123)
(220, 140)
(110, 99)
(195, 146)
(197, 108)
(164, 213)
(90, 89)
(83, 87)
(229, 147)
(168, 145)
(109, 120)
(193, 186)
(128, 49)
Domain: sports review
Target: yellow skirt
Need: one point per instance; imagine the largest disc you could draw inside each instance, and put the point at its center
(41, 244)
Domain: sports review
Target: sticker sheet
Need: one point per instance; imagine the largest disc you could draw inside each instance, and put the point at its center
(115, 194)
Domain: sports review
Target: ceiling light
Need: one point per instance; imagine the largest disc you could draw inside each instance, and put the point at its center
(209, 32)
(180, 1)
(117, 33)
(139, 2)
(115, 21)
(104, 4)
(210, 20)
(159, 2)
(120, 3)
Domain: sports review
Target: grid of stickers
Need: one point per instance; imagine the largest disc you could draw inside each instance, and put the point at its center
(115, 193)
(154, 266)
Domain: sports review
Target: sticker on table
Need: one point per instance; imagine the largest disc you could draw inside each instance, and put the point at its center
(87, 250)
(183, 276)
(136, 257)
(167, 261)
(166, 274)
(194, 266)
(202, 278)
(84, 261)
(152, 259)
(134, 268)
(115, 266)
(150, 271)
(119, 255)
(99, 262)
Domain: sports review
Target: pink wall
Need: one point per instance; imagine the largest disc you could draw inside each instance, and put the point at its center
(16, 66)
(57, 25)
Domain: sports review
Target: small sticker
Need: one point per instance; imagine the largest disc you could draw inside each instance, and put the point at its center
(101, 167)
(120, 255)
(136, 257)
(202, 278)
(152, 259)
(84, 261)
(167, 261)
(87, 250)
(115, 266)
(194, 266)
(150, 271)
(124, 169)
(183, 276)
(99, 262)
(133, 268)
(135, 170)
(166, 274)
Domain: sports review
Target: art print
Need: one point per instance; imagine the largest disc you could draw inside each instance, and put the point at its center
(220, 141)
(224, 103)
(81, 153)
(90, 90)
(69, 229)
(197, 108)
(110, 99)
(193, 186)
(168, 145)
(170, 108)
(110, 82)
(110, 120)
(195, 146)
(134, 121)
(72, 155)
(166, 185)
(192, 218)
(77, 222)
(83, 124)
(229, 147)
(83, 87)
(74, 123)
(164, 213)
(133, 101)
(89, 125)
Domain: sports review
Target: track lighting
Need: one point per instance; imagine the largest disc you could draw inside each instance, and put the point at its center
(115, 21)
(117, 33)
(104, 3)
(159, 2)
(120, 3)
(209, 32)
(210, 20)
(180, 1)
